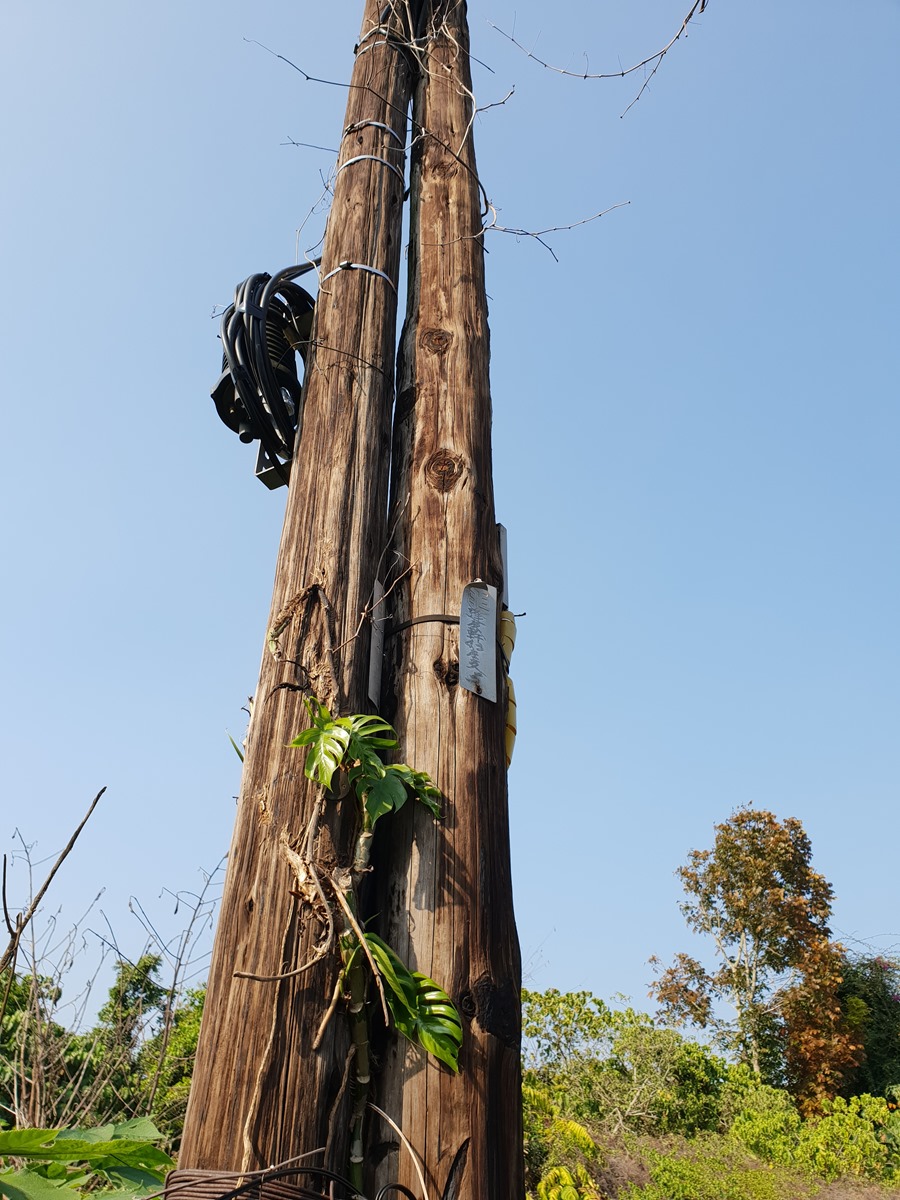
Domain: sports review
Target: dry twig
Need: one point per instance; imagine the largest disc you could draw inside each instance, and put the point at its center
(697, 8)
(23, 919)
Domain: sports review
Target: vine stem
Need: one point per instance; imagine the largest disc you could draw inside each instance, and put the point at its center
(348, 903)
(359, 1030)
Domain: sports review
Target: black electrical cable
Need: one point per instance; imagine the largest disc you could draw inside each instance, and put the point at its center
(322, 1173)
(259, 394)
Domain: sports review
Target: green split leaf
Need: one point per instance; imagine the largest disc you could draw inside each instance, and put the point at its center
(326, 741)
(387, 794)
(355, 743)
(422, 1011)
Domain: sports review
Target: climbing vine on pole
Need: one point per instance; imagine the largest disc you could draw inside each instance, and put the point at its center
(421, 1010)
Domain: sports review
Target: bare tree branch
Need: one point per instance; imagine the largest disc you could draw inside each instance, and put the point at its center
(655, 59)
(538, 234)
(23, 919)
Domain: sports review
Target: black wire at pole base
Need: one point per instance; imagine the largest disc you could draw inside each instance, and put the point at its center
(205, 1185)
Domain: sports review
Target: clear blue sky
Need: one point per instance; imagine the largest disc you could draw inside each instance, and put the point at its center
(696, 440)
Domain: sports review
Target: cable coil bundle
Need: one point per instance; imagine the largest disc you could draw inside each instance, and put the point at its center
(259, 394)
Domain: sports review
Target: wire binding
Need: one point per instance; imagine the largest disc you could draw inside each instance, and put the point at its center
(352, 266)
(376, 125)
(382, 29)
(373, 158)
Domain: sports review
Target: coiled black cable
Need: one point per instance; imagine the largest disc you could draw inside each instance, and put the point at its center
(259, 394)
(329, 1177)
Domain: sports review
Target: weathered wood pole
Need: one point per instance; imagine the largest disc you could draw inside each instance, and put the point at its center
(260, 1093)
(447, 901)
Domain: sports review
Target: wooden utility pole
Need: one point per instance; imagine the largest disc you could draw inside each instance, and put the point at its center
(448, 894)
(269, 1085)
(260, 1093)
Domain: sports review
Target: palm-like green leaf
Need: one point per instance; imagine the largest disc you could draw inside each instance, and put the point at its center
(386, 795)
(419, 784)
(422, 1011)
(366, 731)
(331, 742)
(426, 792)
(326, 741)
(326, 749)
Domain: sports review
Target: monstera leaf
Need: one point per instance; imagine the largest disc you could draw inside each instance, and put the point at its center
(356, 742)
(327, 741)
(422, 1011)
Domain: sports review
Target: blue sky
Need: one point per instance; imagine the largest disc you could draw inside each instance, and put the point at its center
(695, 423)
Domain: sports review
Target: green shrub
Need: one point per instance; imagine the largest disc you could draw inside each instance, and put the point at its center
(553, 1142)
(710, 1169)
(691, 1099)
(561, 1184)
(858, 1137)
(849, 1139)
(870, 997)
(617, 1069)
(122, 1161)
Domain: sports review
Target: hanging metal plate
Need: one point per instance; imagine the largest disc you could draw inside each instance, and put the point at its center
(478, 640)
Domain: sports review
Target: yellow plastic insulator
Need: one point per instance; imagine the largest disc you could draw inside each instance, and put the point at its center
(510, 719)
(507, 633)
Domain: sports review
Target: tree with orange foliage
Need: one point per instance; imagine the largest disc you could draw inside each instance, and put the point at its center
(766, 910)
(820, 1048)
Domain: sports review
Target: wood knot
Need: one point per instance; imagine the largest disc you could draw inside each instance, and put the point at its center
(443, 470)
(467, 1005)
(496, 1010)
(438, 341)
(447, 673)
(446, 169)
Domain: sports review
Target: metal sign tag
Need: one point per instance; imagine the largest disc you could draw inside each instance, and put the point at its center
(478, 640)
(376, 645)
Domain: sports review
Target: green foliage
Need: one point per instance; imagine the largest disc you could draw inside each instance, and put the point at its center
(126, 1065)
(29, 1035)
(711, 1170)
(563, 1030)
(856, 1137)
(167, 1063)
(551, 1138)
(116, 1160)
(108, 1055)
(744, 1090)
(562, 1184)
(869, 994)
(690, 1100)
(50, 1075)
(617, 1068)
(594, 1074)
(422, 1011)
(355, 743)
